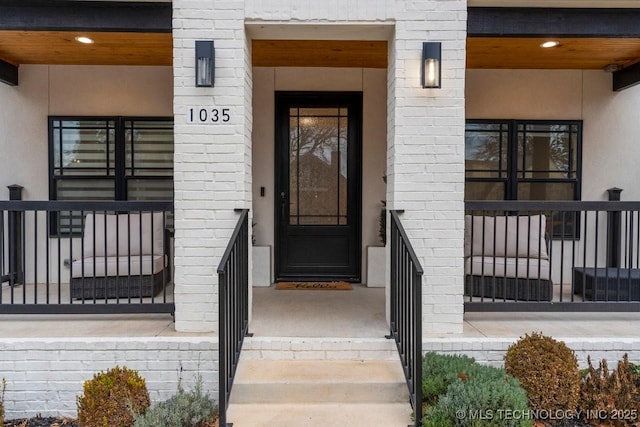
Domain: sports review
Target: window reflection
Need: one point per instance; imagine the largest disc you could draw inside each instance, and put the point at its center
(318, 174)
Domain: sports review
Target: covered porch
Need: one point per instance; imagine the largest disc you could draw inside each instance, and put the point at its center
(416, 140)
(330, 315)
(508, 76)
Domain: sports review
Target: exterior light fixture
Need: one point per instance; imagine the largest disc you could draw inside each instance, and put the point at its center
(205, 63)
(84, 39)
(550, 43)
(431, 64)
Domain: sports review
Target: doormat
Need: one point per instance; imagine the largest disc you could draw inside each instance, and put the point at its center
(317, 286)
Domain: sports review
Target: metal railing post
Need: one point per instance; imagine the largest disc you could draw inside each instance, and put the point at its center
(16, 238)
(613, 230)
(222, 350)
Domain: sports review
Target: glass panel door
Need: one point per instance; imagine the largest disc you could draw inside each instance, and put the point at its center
(318, 168)
(318, 186)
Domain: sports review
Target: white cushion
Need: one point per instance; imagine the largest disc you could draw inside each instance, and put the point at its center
(123, 234)
(532, 268)
(524, 236)
(117, 266)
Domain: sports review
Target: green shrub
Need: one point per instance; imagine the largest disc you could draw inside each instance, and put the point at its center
(635, 370)
(440, 370)
(184, 409)
(609, 396)
(2, 390)
(547, 369)
(485, 396)
(112, 399)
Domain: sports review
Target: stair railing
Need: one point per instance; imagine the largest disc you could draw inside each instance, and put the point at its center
(406, 311)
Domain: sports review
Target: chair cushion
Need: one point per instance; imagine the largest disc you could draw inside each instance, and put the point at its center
(123, 234)
(532, 268)
(118, 266)
(515, 236)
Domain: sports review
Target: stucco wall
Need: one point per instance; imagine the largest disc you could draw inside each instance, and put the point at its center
(65, 90)
(372, 82)
(611, 119)
(611, 127)
(68, 90)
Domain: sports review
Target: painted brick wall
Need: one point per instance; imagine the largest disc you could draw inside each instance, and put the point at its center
(46, 375)
(325, 12)
(426, 153)
(491, 351)
(425, 141)
(212, 161)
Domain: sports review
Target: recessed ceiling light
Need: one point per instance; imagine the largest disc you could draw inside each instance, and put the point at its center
(611, 68)
(83, 39)
(550, 43)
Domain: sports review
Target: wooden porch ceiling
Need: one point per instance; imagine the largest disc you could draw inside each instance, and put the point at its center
(123, 48)
(482, 52)
(571, 53)
(60, 47)
(135, 33)
(319, 53)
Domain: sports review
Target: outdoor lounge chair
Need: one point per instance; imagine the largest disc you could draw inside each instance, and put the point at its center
(123, 255)
(506, 258)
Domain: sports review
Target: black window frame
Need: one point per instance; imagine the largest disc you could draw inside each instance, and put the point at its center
(512, 180)
(119, 173)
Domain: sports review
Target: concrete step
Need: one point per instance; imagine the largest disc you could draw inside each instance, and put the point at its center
(319, 381)
(320, 415)
(314, 348)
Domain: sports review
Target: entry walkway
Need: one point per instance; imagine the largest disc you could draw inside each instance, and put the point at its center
(300, 331)
(360, 313)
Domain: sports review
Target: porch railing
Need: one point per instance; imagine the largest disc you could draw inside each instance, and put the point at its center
(233, 308)
(406, 311)
(552, 256)
(85, 257)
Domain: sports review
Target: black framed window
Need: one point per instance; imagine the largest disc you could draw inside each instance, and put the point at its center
(108, 158)
(524, 160)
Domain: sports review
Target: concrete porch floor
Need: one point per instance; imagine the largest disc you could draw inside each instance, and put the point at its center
(83, 325)
(360, 313)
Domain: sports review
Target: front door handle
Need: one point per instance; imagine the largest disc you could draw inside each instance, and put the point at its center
(283, 201)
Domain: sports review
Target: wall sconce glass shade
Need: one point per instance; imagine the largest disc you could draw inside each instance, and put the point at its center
(205, 63)
(431, 64)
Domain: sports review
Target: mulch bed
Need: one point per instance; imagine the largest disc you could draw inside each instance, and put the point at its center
(42, 422)
(39, 421)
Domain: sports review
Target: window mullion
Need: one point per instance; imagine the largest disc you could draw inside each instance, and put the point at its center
(512, 163)
(120, 156)
(570, 172)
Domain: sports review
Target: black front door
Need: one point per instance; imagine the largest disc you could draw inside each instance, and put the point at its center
(318, 182)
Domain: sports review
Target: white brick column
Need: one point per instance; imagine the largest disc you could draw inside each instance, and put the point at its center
(426, 152)
(212, 162)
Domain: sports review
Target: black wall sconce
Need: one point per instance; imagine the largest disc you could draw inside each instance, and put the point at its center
(205, 63)
(431, 64)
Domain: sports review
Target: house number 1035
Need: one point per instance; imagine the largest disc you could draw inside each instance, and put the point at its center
(202, 115)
